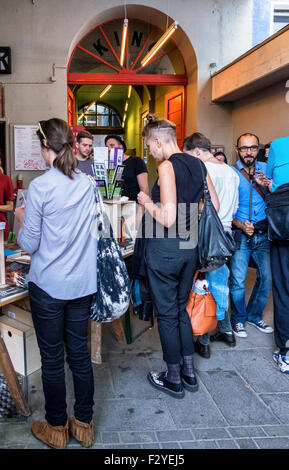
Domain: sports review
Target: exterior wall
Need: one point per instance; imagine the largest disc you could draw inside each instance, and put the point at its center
(41, 34)
(262, 66)
(261, 21)
(265, 113)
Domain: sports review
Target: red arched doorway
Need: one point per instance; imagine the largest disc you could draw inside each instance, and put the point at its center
(95, 60)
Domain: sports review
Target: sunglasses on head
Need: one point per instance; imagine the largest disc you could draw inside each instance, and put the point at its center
(41, 131)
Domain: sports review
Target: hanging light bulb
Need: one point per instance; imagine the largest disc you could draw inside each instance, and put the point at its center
(123, 41)
(105, 90)
(163, 39)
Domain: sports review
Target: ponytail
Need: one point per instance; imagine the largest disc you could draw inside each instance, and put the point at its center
(59, 138)
(66, 161)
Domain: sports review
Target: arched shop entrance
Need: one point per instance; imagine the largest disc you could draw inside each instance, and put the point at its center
(111, 89)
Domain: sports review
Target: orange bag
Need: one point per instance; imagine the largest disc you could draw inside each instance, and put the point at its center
(201, 309)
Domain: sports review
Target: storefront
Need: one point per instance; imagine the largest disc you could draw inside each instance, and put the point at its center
(58, 46)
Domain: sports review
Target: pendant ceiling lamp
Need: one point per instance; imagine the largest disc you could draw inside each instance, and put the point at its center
(123, 41)
(163, 39)
(105, 90)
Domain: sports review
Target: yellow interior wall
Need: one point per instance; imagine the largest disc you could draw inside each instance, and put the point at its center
(158, 108)
(160, 92)
(132, 126)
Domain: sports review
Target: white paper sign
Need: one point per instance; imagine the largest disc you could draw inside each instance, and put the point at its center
(27, 149)
(100, 155)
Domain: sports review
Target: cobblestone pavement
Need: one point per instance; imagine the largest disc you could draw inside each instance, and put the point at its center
(242, 401)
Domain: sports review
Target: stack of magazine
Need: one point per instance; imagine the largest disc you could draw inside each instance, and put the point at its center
(108, 171)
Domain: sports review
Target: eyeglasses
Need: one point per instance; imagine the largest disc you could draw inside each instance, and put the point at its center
(41, 130)
(253, 148)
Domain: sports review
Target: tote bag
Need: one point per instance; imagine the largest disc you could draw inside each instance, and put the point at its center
(112, 298)
(201, 309)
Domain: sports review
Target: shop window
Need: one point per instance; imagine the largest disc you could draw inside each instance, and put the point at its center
(98, 115)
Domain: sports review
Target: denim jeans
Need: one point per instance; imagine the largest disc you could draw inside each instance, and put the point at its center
(258, 247)
(218, 286)
(63, 325)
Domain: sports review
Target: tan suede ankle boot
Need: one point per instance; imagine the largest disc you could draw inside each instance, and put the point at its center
(54, 436)
(82, 432)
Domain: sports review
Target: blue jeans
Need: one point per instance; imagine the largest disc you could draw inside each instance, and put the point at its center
(218, 286)
(258, 247)
(63, 324)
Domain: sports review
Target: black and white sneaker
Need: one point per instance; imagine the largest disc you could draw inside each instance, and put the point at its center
(240, 330)
(261, 326)
(159, 381)
(282, 362)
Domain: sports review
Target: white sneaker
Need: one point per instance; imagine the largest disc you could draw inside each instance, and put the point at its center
(282, 362)
(261, 326)
(239, 330)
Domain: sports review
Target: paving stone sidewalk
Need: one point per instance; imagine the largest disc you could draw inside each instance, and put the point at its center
(242, 401)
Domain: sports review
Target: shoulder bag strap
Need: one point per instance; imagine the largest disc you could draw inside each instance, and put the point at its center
(99, 208)
(207, 195)
(256, 187)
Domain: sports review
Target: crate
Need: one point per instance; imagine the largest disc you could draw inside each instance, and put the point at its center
(17, 313)
(21, 343)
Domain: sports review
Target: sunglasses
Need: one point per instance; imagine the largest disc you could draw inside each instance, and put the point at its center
(41, 131)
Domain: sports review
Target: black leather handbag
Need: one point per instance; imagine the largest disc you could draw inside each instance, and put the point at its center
(277, 212)
(215, 246)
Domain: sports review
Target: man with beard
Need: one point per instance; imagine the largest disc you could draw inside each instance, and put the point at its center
(250, 222)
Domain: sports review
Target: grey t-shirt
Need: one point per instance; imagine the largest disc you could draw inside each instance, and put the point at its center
(85, 166)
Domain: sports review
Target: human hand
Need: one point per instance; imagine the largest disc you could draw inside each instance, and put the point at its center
(262, 180)
(248, 228)
(143, 198)
(19, 215)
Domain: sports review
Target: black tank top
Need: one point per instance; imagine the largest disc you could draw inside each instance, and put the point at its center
(189, 186)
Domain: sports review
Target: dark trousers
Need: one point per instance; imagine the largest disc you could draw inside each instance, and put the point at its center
(280, 290)
(171, 271)
(63, 325)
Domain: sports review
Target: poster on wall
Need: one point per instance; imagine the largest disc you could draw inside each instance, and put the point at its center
(27, 149)
(75, 130)
(217, 148)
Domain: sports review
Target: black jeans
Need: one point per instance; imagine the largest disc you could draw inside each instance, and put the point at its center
(280, 291)
(171, 271)
(59, 325)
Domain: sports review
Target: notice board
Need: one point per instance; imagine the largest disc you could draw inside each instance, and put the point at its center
(27, 149)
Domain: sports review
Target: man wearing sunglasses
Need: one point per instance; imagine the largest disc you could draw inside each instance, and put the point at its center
(250, 224)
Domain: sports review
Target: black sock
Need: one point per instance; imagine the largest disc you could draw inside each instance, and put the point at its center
(173, 374)
(188, 366)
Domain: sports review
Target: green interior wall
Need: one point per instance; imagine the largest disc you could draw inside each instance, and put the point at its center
(132, 133)
(157, 106)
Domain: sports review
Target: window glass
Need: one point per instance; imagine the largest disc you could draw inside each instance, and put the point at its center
(98, 115)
